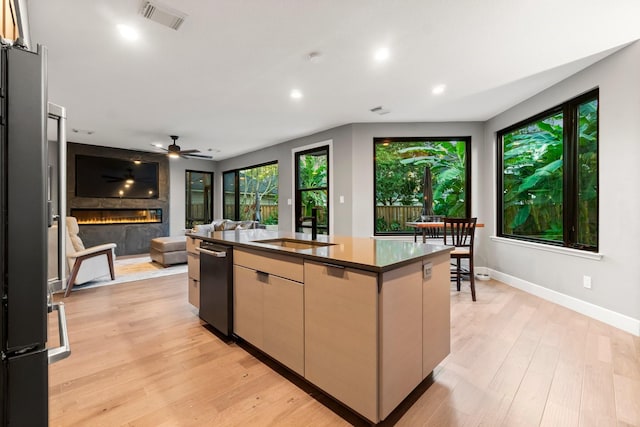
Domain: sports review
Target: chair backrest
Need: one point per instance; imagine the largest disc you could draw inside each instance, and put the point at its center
(460, 231)
(74, 243)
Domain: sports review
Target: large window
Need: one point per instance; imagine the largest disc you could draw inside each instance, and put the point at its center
(312, 188)
(420, 176)
(252, 194)
(548, 176)
(198, 198)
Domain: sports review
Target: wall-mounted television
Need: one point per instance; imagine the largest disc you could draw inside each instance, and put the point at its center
(119, 178)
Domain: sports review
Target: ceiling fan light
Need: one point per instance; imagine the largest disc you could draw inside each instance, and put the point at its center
(173, 155)
(129, 181)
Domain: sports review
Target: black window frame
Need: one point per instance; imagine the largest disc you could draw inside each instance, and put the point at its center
(570, 180)
(189, 219)
(324, 229)
(236, 185)
(390, 140)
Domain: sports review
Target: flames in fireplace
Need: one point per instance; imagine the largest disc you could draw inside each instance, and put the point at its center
(117, 216)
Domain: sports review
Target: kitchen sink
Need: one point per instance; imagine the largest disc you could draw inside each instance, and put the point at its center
(294, 243)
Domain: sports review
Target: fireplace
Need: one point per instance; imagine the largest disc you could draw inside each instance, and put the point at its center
(117, 216)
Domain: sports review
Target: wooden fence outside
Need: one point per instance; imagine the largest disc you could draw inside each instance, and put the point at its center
(398, 215)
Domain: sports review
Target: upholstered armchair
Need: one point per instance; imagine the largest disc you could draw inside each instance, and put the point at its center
(86, 264)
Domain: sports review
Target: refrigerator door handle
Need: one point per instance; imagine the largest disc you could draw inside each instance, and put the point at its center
(62, 352)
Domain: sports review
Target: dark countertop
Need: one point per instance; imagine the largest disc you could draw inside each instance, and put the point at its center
(358, 252)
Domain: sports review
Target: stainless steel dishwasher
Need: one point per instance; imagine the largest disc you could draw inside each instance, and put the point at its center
(216, 286)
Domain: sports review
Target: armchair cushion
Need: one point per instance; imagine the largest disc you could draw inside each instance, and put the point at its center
(86, 264)
(92, 250)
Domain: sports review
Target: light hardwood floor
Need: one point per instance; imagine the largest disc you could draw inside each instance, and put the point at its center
(141, 357)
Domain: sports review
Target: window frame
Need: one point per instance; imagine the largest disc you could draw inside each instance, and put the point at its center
(391, 140)
(298, 191)
(236, 172)
(570, 179)
(187, 202)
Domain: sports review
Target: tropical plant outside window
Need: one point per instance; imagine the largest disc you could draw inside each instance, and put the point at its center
(312, 188)
(399, 168)
(198, 198)
(252, 194)
(548, 179)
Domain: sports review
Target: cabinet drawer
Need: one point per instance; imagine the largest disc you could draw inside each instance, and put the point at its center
(194, 292)
(193, 262)
(285, 266)
(192, 244)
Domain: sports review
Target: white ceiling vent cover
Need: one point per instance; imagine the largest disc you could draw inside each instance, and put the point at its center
(163, 15)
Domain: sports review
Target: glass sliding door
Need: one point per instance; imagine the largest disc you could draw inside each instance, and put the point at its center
(251, 194)
(198, 198)
(312, 188)
(230, 199)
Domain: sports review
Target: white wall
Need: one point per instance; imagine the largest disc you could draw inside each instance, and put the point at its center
(177, 169)
(615, 291)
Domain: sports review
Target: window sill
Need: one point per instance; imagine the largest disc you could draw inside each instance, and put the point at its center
(549, 248)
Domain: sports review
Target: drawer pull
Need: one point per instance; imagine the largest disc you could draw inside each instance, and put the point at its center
(341, 267)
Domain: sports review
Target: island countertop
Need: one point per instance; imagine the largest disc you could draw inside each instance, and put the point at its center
(357, 252)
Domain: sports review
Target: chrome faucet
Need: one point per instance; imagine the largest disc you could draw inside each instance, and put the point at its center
(314, 222)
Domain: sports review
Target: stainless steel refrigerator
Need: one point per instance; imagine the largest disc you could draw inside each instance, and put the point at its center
(25, 216)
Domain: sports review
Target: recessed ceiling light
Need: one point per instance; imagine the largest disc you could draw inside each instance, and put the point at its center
(438, 89)
(296, 94)
(156, 144)
(381, 54)
(127, 32)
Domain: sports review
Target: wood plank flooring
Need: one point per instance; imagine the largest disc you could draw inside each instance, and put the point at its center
(141, 357)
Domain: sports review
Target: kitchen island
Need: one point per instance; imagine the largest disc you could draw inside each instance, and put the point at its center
(364, 320)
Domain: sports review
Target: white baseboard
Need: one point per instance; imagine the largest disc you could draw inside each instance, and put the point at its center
(620, 321)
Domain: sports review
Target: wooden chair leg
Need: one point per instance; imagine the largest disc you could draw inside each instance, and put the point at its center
(458, 273)
(72, 276)
(472, 279)
(111, 269)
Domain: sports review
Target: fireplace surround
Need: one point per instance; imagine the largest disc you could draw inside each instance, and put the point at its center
(133, 222)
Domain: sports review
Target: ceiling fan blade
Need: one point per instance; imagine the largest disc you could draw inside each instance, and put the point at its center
(189, 151)
(192, 156)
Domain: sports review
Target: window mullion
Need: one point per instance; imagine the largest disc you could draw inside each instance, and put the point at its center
(570, 175)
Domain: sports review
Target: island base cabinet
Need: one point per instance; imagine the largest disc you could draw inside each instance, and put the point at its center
(194, 292)
(341, 336)
(193, 268)
(268, 313)
(400, 335)
(247, 305)
(283, 317)
(436, 295)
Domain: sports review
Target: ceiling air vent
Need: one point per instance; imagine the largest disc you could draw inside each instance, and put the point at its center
(163, 15)
(379, 110)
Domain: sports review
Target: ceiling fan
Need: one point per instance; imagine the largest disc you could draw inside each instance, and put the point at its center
(174, 150)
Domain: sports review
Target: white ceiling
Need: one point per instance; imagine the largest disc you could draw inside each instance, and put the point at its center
(222, 81)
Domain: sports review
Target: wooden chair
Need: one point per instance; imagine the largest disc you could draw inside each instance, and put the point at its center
(461, 232)
(86, 264)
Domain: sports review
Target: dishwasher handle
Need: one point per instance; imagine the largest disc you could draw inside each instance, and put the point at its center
(217, 254)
